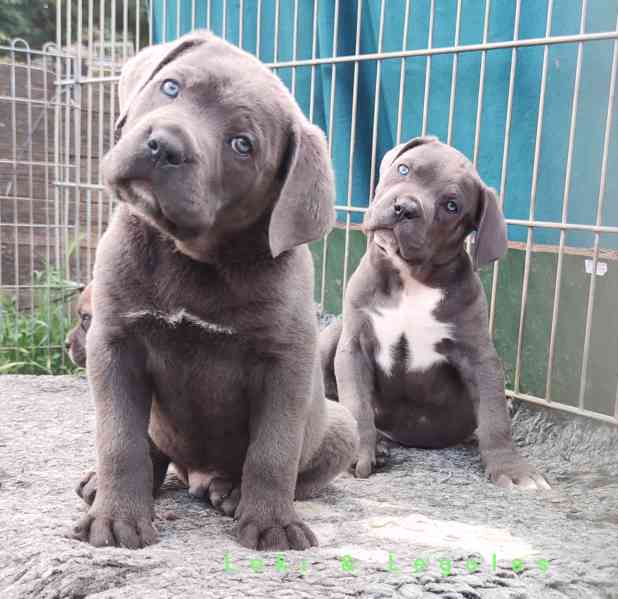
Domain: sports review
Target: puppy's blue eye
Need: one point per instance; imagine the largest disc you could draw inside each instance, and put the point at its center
(403, 170)
(170, 88)
(451, 207)
(241, 145)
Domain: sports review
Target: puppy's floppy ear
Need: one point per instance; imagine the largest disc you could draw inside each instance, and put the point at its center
(397, 151)
(490, 242)
(305, 209)
(140, 69)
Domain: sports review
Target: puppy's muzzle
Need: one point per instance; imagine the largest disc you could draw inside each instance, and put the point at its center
(387, 213)
(407, 208)
(150, 152)
(165, 149)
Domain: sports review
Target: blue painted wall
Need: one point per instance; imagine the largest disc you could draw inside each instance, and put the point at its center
(591, 114)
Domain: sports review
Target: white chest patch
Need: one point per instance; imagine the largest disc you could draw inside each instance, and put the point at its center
(413, 318)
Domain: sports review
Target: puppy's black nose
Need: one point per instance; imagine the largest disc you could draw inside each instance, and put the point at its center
(164, 149)
(407, 208)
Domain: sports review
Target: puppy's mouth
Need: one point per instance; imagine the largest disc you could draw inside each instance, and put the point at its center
(140, 195)
(386, 241)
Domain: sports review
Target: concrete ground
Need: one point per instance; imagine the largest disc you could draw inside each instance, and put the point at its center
(414, 530)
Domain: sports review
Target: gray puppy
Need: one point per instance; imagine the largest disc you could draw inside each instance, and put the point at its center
(204, 336)
(413, 358)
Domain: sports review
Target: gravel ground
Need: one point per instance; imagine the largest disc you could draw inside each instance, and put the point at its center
(414, 530)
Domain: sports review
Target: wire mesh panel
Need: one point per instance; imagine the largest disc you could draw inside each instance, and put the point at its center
(33, 221)
(526, 90)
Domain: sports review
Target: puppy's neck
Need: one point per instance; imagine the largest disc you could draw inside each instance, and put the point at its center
(235, 250)
(428, 272)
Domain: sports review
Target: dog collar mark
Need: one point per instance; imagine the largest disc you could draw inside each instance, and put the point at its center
(182, 316)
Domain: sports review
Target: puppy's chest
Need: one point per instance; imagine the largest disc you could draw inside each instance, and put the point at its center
(408, 331)
(187, 307)
(180, 319)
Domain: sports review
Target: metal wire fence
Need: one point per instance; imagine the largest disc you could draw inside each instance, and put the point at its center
(401, 71)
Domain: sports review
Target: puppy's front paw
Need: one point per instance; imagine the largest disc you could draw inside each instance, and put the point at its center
(108, 530)
(87, 487)
(368, 459)
(272, 532)
(509, 469)
(365, 463)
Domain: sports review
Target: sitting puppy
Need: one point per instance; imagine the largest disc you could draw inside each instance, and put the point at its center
(412, 357)
(200, 484)
(75, 342)
(204, 337)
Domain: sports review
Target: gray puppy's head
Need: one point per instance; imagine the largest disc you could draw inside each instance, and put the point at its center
(213, 150)
(428, 199)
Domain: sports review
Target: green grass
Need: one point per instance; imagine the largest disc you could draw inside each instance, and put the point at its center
(32, 339)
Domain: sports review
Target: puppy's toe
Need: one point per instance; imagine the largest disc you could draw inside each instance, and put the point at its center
(365, 463)
(126, 534)
(81, 531)
(296, 535)
(518, 474)
(532, 481)
(199, 483)
(87, 487)
(147, 533)
(541, 483)
(249, 535)
(101, 534)
(300, 536)
(218, 490)
(231, 502)
(525, 482)
(504, 481)
(383, 452)
(110, 531)
(363, 468)
(279, 530)
(273, 539)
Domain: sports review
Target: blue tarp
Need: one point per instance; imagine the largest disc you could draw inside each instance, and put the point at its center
(561, 62)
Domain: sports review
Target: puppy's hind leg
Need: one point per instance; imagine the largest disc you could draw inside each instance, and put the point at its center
(220, 490)
(160, 464)
(87, 486)
(338, 449)
(328, 341)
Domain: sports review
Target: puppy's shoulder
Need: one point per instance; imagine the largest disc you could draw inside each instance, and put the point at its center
(291, 278)
(461, 282)
(465, 303)
(128, 244)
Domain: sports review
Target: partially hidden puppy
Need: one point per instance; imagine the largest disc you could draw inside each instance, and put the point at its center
(412, 357)
(75, 341)
(204, 337)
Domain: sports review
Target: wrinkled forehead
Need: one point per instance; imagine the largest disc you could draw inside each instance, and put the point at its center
(218, 72)
(436, 163)
(234, 89)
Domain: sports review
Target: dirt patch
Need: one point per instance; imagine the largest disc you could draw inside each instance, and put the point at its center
(416, 529)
